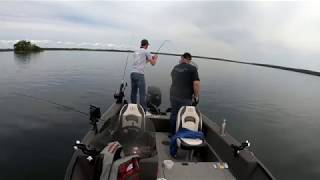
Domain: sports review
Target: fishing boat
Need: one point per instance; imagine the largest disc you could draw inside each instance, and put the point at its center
(127, 143)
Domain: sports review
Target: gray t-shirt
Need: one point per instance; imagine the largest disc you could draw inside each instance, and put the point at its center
(140, 59)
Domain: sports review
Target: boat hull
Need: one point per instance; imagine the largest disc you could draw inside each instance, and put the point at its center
(244, 166)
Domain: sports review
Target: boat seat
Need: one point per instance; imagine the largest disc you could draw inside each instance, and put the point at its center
(132, 115)
(189, 117)
(190, 144)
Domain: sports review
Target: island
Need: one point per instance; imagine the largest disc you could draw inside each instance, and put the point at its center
(24, 46)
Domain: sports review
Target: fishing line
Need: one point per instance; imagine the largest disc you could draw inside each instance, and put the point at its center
(51, 102)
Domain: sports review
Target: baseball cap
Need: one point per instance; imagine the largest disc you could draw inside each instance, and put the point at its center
(187, 56)
(144, 42)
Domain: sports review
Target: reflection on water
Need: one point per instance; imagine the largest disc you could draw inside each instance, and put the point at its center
(25, 58)
(277, 111)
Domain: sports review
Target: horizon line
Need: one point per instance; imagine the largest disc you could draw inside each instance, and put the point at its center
(298, 70)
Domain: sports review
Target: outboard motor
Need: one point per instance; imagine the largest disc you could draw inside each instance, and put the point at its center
(95, 115)
(154, 99)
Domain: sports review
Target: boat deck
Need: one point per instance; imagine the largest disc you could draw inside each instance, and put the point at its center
(183, 169)
(163, 145)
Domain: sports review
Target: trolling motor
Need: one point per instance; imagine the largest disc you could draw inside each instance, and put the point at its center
(153, 99)
(120, 94)
(95, 115)
(238, 149)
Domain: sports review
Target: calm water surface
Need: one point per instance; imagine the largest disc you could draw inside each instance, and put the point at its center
(277, 111)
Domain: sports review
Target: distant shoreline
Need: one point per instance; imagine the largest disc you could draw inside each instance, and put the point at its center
(304, 71)
(73, 49)
(5, 50)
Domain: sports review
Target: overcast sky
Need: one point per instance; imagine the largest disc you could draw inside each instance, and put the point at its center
(282, 33)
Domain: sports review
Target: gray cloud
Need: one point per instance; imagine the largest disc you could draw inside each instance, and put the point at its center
(283, 33)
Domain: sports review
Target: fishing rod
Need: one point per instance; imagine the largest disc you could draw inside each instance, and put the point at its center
(125, 68)
(52, 102)
(120, 94)
(157, 52)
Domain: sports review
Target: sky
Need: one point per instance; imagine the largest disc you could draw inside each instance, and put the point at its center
(283, 33)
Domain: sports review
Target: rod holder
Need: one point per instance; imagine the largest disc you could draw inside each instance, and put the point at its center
(223, 127)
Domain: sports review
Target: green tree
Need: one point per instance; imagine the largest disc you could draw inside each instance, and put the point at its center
(26, 46)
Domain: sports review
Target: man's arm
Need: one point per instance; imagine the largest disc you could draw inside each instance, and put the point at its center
(153, 60)
(196, 88)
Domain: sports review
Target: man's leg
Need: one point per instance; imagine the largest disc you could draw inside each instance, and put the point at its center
(134, 88)
(173, 116)
(142, 92)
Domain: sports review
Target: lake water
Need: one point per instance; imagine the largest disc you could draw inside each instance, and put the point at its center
(277, 111)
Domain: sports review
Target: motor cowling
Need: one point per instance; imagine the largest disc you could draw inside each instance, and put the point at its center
(153, 98)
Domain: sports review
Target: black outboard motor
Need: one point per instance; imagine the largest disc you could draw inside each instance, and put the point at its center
(154, 99)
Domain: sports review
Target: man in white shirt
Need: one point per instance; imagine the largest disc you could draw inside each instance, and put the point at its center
(141, 58)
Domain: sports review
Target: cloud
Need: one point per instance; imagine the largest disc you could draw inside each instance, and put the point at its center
(249, 31)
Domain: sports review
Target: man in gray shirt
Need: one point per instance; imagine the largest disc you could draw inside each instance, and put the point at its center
(141, 58)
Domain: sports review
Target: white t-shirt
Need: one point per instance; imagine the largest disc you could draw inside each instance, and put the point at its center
(140, 59)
